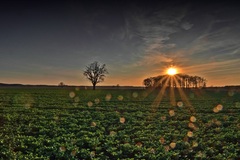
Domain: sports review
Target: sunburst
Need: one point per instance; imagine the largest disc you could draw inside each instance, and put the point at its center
(169, 81)
(171, 71)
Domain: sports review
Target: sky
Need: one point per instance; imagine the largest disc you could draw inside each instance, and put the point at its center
(48, 42)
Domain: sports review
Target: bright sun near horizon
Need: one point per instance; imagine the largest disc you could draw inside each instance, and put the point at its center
(171, 71)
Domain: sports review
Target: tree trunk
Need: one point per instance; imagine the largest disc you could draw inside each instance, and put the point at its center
(94, 86)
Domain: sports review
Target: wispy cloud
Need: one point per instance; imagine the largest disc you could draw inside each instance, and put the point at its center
(214, 67)
(186, 25)
(154, 28)
(218, 41)
(154, 59)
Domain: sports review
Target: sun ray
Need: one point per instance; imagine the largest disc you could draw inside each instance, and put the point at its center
(183, 96)
(159, 97)
(151, 89)
(172, 94)
(173, 81)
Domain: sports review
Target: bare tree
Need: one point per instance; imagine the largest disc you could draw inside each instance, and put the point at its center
(95, 73)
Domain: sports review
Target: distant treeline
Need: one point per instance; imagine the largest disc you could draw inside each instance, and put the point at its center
(236, 87)
(70, 86)
(178, 80)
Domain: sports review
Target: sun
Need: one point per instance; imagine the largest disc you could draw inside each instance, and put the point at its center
(171, 71)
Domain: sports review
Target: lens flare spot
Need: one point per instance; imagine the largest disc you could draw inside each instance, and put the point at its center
(196, 128)
(73, 141)
(163, 118)
(218, 123)
(135, 94)
(122, 120)
(71, 94)
(76, 99)
(56, 118)
(237, 104)
(167, 148)
(108, 97)
(225, 117)
(190, 134)
(180, 104)
(139, 144)
(185, 139)
(97, 101)
(162, 140)
(238, 125)
(62, 148)
(92, 154)
(194, 144)
(215, 110)
(24, 100)
(120, 97)
(219, 107)
(193, 119)
(218, 129)
(171, 113)
(90, 104)
(172, 145)
(112, 133)
(28, 105)
(73, 153)
(191, 125)
(200, 155)
(152, 150)
(93, 124)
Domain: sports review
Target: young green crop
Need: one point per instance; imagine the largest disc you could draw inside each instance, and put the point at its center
(119, 124)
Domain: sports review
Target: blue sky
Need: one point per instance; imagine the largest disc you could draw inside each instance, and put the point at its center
(49, 42)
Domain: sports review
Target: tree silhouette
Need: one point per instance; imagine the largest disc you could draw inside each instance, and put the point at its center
(148, 82)
(61, 84)
(95, 73)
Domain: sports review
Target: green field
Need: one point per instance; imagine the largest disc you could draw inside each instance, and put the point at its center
(68, 123)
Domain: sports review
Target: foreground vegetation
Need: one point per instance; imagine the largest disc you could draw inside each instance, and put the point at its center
(64, 123)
